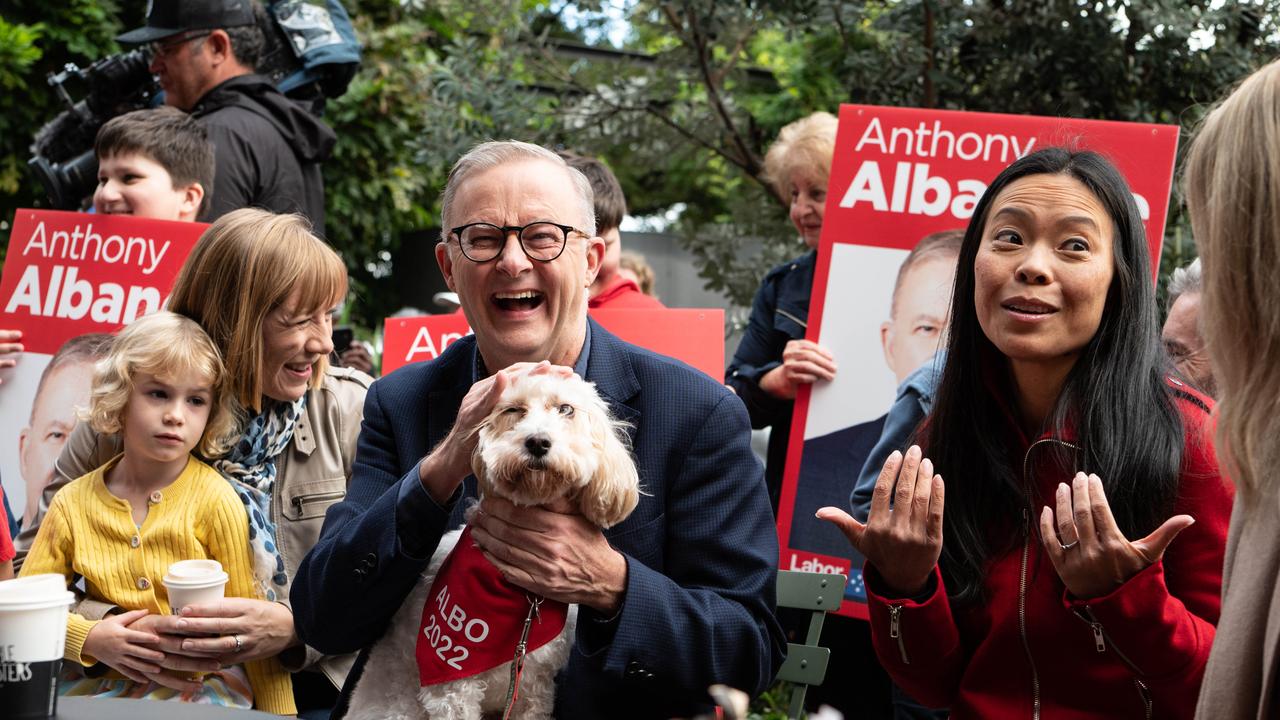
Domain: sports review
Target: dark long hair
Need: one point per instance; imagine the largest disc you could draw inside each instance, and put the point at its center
(1124, 423)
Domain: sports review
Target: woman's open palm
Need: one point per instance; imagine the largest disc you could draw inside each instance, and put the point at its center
(1086, 547)
(902, 542)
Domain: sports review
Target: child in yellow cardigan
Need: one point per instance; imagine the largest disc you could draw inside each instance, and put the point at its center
(122, 525)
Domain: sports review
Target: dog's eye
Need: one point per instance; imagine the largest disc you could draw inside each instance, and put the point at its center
(514, 409)
(566, 410)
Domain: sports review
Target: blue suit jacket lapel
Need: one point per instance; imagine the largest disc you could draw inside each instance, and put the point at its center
(609, 367)
(455, 381)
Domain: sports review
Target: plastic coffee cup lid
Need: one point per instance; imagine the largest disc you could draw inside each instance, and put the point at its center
(34, 592)
(195, 573)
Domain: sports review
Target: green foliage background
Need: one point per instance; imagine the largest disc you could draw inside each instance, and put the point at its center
(681, 98)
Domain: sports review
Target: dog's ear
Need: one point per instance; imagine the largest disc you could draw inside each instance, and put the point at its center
(614, 490)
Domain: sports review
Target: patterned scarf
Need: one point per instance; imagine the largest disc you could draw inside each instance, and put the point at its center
(250, 467)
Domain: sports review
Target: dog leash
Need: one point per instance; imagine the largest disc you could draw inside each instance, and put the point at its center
(517, 663)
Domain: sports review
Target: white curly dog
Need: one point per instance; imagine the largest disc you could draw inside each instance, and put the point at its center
(548, 439)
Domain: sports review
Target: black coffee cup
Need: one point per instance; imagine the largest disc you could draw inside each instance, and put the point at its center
(33, 633)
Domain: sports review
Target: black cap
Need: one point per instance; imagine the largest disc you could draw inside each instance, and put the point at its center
(166, 18)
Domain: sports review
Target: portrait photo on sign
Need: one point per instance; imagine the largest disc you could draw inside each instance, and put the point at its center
(891, 344)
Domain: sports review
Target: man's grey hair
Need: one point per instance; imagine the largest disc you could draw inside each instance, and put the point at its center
(1185, 280)
(491, 154)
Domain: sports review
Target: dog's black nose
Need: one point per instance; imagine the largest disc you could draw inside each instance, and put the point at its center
(538, 445)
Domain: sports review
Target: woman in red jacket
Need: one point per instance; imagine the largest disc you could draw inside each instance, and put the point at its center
(1062, 437)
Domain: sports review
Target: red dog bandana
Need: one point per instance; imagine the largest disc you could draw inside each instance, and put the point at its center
(473, 618)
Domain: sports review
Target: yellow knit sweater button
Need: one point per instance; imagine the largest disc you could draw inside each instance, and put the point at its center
(143, 583)
(155, 497)
(135, 541)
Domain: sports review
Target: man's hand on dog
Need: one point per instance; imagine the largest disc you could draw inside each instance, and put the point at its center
(553, 552)
(446, 466)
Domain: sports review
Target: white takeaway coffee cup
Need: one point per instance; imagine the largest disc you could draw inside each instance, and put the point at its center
(190, 582)
(33, 633)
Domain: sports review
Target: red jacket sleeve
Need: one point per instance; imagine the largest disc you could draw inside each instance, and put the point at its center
(1162, 620)
(917, 641)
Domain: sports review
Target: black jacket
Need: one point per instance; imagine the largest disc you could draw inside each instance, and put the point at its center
(267, 150)
(779, 314)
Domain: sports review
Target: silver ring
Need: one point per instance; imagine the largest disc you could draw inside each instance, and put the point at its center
(239, 645)
(1068, 546)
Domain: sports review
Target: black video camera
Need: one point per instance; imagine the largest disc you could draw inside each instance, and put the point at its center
(117, 84)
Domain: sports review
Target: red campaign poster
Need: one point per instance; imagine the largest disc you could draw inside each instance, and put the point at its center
(695, 336)
(68, 277)
(900, 175)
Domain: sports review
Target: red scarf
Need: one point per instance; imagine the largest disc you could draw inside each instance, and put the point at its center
(473, 618)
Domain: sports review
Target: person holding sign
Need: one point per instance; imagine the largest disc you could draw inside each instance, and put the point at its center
(774, 360)
(263, 287)
(1232, 186)
(1078, 570)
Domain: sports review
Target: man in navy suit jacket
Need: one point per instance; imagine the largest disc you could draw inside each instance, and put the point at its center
(678, 596)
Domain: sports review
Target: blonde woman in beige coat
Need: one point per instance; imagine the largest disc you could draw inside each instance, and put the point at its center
(1232, 186)
(263, 287)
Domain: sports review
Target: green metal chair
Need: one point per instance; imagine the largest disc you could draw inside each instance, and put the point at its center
(806, 664)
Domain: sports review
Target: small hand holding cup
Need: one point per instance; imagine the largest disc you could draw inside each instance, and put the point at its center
(130, 652)
(904, 542)
(1087, 549)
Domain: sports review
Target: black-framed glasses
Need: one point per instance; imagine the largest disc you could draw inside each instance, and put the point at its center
(541, 240)
(164, 47)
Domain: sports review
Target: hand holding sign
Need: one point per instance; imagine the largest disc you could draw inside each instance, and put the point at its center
(905, 541)
(10, 345)
(803, 363)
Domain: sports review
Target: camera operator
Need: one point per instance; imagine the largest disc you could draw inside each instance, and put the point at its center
(267, 148)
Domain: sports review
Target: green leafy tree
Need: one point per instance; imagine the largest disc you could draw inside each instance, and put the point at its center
(434, 81)
(37, 38)
(687, 115)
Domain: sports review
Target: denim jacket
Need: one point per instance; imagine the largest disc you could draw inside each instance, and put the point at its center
(912, 405)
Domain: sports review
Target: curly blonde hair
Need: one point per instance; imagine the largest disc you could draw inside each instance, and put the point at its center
(804, 147)
(166, 345)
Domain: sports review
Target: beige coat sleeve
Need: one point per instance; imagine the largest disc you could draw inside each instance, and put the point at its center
(348, 388)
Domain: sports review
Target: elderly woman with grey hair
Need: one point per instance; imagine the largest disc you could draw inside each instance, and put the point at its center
(1183, 338)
